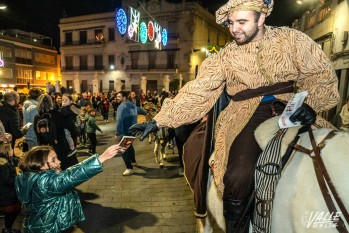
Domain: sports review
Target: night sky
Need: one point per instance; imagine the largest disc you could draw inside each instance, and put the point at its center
(42, 16)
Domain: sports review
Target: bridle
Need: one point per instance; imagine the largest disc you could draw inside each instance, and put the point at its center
(324, 180)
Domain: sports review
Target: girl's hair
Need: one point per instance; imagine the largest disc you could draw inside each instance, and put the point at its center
(44, 103)
(68, 96)
(35, 159)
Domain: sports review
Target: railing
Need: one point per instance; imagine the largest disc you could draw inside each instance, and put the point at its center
(152, 67)
(26, 61)
(78, 43)
(77, 68)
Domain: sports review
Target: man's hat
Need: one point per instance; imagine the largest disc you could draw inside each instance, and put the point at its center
(262, 6)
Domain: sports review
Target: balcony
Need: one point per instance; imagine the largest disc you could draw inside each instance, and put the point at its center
(85, 43)
(162, 67)
(83, 68)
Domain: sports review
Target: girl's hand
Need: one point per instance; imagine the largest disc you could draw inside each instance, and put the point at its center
(110, 152)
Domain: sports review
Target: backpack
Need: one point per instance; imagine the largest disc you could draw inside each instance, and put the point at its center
(44, 128)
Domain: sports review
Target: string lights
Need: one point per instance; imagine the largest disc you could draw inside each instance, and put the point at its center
(141, 31)
(121, 21)
(212, 49)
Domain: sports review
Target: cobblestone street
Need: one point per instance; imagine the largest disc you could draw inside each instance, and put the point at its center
(151, 200)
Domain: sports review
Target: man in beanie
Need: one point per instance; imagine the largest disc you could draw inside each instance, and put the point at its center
(261, 63)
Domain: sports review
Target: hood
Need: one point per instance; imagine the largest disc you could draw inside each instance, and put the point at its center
(28, 103)
(24, 185)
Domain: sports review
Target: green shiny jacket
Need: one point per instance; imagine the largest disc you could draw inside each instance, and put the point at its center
(49, 201)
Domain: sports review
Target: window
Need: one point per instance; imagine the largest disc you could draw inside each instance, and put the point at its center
(172, 27)
(23, 55)
(111, 85)
(84, 86)
(99, 62)
(99, 35)
(111, 62)
(152, 60)
(324, 12)
(69, 63)
(6, 52)
(83, 37)
(83, 63)
(70, 86)
(111, 34)
(68, 38)
(170, 60)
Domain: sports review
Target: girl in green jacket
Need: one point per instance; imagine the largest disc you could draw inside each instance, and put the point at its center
(49, 201)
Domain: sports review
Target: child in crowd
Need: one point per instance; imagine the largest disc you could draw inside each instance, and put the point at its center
(82, 135)
(49, 201)
(70, 112)
(91, 128)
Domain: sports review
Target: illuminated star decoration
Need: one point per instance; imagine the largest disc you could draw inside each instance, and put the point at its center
(121, 21)
(164, 37)
(143, 32)
(1, 63)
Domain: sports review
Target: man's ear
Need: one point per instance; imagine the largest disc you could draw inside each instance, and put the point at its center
(261, 20)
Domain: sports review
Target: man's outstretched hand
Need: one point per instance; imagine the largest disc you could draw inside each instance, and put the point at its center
(144, 129)
(305, 114)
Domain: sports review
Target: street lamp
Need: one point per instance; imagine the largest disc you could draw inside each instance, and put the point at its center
(3, 6)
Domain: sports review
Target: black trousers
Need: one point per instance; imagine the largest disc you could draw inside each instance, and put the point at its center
(93, 142)
(243, 156)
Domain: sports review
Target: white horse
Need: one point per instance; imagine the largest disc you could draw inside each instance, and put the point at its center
(299, 206)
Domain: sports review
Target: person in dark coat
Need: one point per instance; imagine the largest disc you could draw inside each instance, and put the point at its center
(9, 203)
(9, 116)
(57, 138)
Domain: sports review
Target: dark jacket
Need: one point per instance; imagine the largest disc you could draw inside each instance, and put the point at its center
(8, 174)
(9, 116)
(49, 201)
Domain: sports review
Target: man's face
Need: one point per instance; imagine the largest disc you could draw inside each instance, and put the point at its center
(245, 27)
(119, 98)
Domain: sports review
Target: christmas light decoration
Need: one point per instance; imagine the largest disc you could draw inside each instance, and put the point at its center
(212, 49)
(130, 31)
(151, 31)
(164, 37)
(121, 21)
(134, 21)
(143, 32)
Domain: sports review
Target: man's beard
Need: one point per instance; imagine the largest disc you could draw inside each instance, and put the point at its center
(249, 38)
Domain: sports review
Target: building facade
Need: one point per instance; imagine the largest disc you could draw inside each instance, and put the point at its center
(27, 60)
(328, 24)
(96, 57)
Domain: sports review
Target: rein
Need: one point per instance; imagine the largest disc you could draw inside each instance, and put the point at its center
(323, 178)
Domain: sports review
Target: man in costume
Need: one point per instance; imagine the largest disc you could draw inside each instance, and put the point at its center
(261, 63)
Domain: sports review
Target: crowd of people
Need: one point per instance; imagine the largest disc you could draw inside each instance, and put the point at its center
(50, 127)
(260, 65)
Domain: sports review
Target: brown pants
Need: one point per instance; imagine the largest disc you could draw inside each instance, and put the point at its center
(243, 156)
